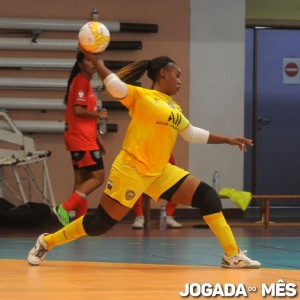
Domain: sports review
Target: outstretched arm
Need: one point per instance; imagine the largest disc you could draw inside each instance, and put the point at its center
(198, 135)
(234, 141)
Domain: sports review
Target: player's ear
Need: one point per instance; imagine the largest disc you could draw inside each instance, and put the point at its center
(162, 72)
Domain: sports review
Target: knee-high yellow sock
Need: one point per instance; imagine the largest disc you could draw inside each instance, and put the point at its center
(67, 234)
(222, 231)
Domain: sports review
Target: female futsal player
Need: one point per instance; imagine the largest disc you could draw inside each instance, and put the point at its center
(82, 139)
(142, 164)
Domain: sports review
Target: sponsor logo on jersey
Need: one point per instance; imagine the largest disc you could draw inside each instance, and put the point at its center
(175, 118)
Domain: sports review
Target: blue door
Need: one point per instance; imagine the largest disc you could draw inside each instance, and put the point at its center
(276, 117)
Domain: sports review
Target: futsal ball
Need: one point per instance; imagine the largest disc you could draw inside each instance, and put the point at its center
(94, 37)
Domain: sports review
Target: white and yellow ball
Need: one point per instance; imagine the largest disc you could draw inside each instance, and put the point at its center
(94, 37)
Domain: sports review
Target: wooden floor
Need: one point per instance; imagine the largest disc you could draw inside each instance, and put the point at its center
(145, 264)
(95, 280)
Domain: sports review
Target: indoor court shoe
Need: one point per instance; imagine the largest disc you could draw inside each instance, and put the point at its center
(62, 215)
(172, 223)
(239, 261)
(38, 252)
(138, 222)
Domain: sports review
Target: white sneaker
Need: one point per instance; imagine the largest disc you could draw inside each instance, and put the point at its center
(138, 222)
(38, 252)
(239, 260)
(172, 223)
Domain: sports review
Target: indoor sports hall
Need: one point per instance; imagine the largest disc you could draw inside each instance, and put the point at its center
(239, 62)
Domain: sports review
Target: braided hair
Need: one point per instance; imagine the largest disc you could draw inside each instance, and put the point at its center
(75, 70)
(134, 71)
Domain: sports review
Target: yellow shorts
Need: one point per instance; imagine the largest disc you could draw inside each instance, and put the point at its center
(125, 184)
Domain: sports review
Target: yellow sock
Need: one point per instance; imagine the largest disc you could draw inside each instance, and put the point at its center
(222, 231)
(67, 234)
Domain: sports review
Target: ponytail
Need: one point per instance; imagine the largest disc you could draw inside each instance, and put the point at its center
(134, 71)
(75, 70)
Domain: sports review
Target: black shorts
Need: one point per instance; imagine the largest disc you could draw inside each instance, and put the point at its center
(90, 160)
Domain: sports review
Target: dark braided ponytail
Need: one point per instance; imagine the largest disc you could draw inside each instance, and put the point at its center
(75, 70)
(134, 71)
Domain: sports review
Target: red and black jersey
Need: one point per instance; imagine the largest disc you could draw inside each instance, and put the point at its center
(81, 132)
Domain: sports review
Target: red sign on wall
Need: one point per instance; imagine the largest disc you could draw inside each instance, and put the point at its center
(291, 68)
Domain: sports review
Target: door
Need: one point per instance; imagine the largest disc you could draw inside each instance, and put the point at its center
(276, 116)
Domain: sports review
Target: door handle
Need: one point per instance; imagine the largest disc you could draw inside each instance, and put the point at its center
(263, 121)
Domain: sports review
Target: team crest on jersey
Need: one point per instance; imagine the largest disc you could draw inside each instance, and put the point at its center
(171, 105)
(81, 94)
(109, 184)
(129, 195)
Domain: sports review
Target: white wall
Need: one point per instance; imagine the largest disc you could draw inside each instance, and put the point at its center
(217, 86)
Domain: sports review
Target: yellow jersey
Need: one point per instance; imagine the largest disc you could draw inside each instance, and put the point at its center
(155, 122)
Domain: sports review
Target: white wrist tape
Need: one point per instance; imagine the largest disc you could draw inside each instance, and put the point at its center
(115, 86)
(195, 135)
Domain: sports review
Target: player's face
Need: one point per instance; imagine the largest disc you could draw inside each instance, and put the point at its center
(87, 67)
(172, 78)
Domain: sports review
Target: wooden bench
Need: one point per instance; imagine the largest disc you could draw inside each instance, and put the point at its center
(265, 211)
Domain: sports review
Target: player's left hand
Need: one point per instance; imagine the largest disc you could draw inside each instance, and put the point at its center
(241, 142)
